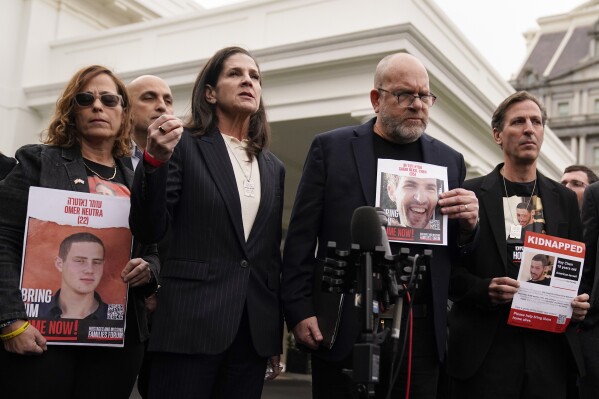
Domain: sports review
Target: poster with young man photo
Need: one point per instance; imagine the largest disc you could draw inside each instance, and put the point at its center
(75, 247)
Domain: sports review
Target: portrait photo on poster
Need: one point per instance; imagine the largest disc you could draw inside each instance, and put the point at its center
(75, 247)
(408, 193)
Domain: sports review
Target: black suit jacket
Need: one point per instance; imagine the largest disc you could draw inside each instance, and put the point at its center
(590, 277)
(473, 319)
(211, 273)
(54, 167)
(6, 165)
(339, 176)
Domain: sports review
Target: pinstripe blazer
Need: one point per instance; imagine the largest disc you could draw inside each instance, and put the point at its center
(211, 272)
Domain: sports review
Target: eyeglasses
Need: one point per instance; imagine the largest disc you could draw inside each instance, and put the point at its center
(405, 100)
(87, 99)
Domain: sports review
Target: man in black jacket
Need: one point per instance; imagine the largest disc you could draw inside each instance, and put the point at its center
(340, 176)
(488, 358)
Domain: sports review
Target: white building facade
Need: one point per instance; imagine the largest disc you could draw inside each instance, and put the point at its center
(562, 69)
(317, 58)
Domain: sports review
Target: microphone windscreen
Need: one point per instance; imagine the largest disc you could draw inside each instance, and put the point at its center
(366, 228)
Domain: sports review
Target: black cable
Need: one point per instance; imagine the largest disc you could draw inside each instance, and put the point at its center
(412, 291)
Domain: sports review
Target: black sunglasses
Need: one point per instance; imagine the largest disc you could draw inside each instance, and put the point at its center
(87, 99)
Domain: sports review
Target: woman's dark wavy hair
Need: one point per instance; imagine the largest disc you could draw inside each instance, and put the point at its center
(203, 115)
(62, 131)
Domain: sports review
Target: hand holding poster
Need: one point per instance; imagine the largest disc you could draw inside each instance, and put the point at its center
(76, 245)
(549, 277)
(408, 193)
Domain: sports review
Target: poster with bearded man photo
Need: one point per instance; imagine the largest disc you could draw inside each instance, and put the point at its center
(408, 193)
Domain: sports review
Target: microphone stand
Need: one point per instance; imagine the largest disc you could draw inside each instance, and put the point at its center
(367, 351)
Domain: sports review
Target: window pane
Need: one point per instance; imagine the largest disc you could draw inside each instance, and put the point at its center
(563, 109)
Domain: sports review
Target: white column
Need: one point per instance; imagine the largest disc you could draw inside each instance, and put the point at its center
(582, 148)
(585, 107)
(574, 147)
(575, 104)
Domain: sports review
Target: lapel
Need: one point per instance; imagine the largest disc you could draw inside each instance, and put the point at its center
(430, 153)
(128, 162)
(365, 162)
(75, 170)
(126, 170)
(267, 195)
(550, 201)
(491, 196)
(214, 152)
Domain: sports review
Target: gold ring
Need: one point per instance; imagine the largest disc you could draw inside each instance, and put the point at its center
(161, 129)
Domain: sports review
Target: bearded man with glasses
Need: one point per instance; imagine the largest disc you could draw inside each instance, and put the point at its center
(339, 176)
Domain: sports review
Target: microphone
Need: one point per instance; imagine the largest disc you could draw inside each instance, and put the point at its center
(366, 232)
(366, 228)
(398, 309)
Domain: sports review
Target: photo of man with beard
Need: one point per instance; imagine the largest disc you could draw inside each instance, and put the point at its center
(416, 199)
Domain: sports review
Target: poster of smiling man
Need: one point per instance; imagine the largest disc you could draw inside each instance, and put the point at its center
(408, 193)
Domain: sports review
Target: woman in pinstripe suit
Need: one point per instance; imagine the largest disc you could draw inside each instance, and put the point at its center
(220, 190)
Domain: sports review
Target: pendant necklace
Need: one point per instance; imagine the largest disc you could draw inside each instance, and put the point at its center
(248, 186)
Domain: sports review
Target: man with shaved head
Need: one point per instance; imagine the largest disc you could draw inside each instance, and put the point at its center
(150, 97)
(339, 176)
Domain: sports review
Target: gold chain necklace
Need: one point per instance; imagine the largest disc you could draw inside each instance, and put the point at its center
(97, 174)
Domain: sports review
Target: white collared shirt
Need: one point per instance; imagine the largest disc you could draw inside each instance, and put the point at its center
(245, 171)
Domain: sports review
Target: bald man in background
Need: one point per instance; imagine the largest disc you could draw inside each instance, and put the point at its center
(150, 97)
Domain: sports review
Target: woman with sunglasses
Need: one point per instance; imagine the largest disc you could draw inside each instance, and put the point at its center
(218, 321)
(87, 138)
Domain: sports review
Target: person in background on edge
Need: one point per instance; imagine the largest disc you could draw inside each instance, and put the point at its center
(219, 319)
(577, 178)
(150, 98)
(589, 333)
(86, 141)
(339, 176)
(6, 165)
(487, 358)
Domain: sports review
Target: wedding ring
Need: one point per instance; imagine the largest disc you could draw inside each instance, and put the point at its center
(466, 206)
(161, 129)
